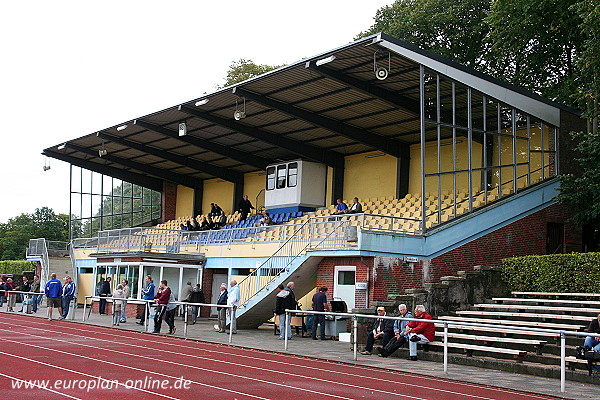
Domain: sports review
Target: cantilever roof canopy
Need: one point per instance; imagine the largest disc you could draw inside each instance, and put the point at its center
(319, 109)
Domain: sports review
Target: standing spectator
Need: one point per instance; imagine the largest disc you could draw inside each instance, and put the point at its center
(68, 294)
(419, 332)
(222, 219)
(25, 287)
(355, 208)
(222, 311)
(35, 288)
(186, 295)
(12, 297)
(340, 208)
(215, 210)
(147, 294)
(2, 287)
(119, 293)
(162, 299)
(382, 329)
(53, 291)
(126, 294)
(170, 314)
(197, 297)
(233, 300)
(319, 302)
(104, 292)
(399, 331)
(244, 207)
(286, 300)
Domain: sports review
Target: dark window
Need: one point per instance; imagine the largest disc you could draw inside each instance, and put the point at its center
(346, 277)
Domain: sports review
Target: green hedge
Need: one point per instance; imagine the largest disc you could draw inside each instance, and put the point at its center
(16, 266)
(570, 273)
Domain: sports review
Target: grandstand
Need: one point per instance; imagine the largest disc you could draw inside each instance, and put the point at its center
(453, 169)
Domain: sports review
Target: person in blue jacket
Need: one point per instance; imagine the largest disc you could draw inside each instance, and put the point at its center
(68, 294)
(53, 291)
(147, 294)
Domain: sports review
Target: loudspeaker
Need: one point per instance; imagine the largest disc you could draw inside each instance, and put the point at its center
(381, 73)
(239, 115)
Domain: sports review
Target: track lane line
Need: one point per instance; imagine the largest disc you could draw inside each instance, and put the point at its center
(320, 370)
(40, 386)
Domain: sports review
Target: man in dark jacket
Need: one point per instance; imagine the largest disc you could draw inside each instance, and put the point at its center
(25, 287)
(286, 300)
(222, 311)
(419, 332)
(594, 340)
(382, 329)
(162, 299)
(104, 292)
(244, 207)
(197, 297)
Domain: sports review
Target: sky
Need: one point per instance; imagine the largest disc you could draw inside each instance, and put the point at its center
(71, 68)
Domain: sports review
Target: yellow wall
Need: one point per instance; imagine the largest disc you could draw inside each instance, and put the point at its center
(446, 165)
(185, 201)
(329, 188)
(254, 182)
(217, 191)
(366, 177)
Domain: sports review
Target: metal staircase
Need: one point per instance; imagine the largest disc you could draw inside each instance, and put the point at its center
(292, 261)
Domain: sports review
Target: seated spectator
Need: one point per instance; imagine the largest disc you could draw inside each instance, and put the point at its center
(183, 227)
(195, 225)
(222, 221)
(340, 208)
(399, 331)
(189, 226)
(215, 210)
(204, 225)
(355, 208)
(593, 342)
(382, 329)
(266, 219)
(210, 223)
(419, 332)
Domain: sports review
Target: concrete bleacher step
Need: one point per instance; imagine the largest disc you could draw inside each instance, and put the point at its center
(540, 301)
(591, 311)
(516, 323)
(556, 294)
(547, 316)
(469, 349)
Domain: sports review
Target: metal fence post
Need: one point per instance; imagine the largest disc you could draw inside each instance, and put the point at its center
(84, 308)
(285, 331)
(563, 343)
(355, 332)
(231, 317)
(185, 320)
(147, 311)
(445, 347)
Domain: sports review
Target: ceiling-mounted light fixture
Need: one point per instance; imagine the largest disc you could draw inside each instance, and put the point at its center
(46, 164)
(239, 114)
(324, 60)
(62, 146)
(102, 151)
(201, 102)
(122, 127)
(182, 129)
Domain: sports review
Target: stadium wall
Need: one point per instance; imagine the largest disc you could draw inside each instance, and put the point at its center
(185, 201)
(368, 175)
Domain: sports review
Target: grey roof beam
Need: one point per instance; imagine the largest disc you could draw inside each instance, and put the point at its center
(218, 172)
(119, 173)
(403, 102)
(379, 142)
(156, 172)
(317, 154)
(227, 151)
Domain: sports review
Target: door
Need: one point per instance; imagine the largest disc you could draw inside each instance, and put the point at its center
(555, 237)
(344, 284)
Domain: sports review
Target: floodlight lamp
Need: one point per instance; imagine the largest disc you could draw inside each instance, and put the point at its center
(324, 60)
(182, 129)
(46, 168)
(239, 114)
(102, 152)
(122, 127)
(201, 102)
(62, 146)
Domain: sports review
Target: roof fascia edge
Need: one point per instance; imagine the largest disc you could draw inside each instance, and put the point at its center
(527, 104)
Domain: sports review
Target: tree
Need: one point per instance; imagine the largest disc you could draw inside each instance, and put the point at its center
(536, 44)
(243, 69)
(455, 29)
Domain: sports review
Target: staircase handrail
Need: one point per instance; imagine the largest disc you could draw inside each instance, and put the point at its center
(282, 259)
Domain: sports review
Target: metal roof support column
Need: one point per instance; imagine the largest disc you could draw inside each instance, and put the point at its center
(337, 183)
(238, 193)
(422, 126)
(198, 196)
(403, 173)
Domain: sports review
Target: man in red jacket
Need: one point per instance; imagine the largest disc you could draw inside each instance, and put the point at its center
(419, 332)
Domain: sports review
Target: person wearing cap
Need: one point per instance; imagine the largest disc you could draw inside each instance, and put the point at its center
(399, 333)
(419, 332)
(382, 329)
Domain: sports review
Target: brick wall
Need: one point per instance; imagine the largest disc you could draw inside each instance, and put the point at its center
(391, 275)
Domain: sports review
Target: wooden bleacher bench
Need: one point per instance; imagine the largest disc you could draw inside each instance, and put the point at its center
(470, 348)
(547, 325)
(538, 300)
(528, 315)
(537, 308)
(556, 294)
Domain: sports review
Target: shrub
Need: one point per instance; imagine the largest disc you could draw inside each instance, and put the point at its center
(16, 266)
(567, 273)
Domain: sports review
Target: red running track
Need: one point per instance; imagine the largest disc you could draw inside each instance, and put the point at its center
(68, 360)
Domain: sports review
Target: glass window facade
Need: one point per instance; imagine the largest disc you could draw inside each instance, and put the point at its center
(475, 149)
(100, 202)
